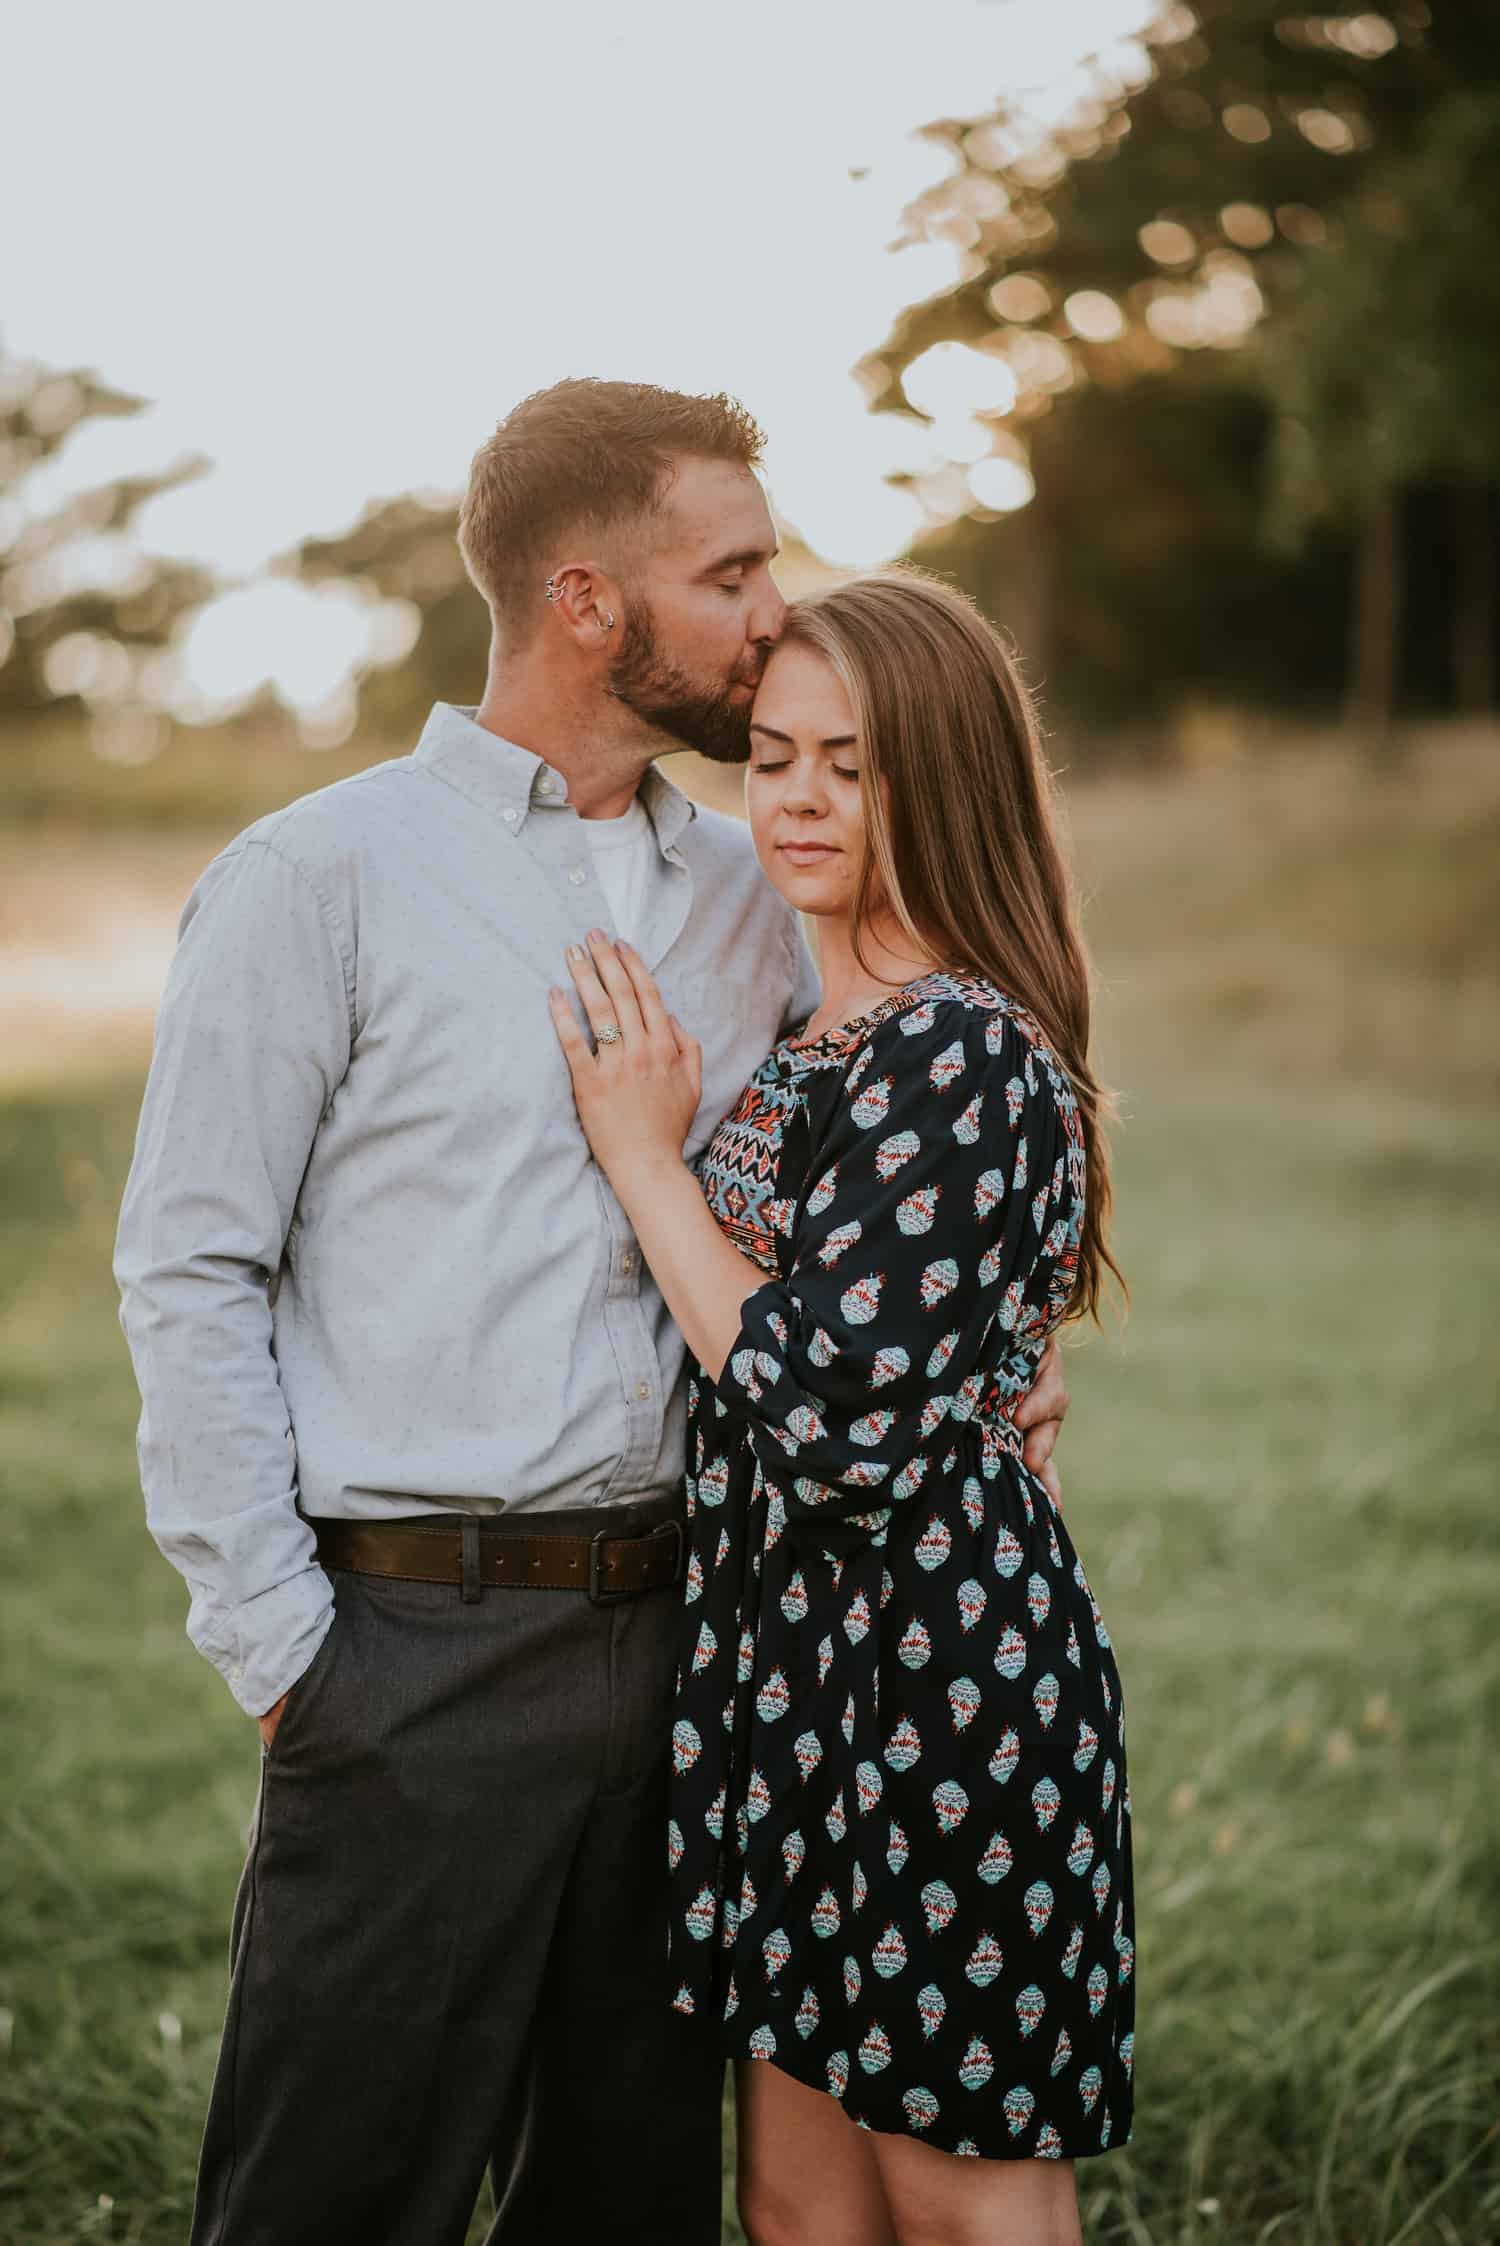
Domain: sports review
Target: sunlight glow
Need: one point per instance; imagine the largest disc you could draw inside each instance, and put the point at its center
(299, 639)
(394, 325)
(1020, 296)
(1094, 316)
(1217, 312)
(1001, 485)
(952, 381)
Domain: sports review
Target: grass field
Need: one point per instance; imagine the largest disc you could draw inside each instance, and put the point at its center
(1281, 1474)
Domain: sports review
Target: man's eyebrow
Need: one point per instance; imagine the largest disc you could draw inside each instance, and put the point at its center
(750, 557)
(829, 741)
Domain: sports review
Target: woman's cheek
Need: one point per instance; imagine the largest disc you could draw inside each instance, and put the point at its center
(762, 817)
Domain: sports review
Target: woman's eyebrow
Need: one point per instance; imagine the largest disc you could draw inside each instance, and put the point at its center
(829, 741)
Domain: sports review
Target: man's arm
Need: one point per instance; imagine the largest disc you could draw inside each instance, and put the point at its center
(252, 1040)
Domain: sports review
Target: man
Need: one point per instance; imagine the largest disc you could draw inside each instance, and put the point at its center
(412, 1424)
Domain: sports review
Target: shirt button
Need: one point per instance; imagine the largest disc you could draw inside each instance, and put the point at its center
(545, 785)
(578, 876)
(510, 817)
(643, 1390)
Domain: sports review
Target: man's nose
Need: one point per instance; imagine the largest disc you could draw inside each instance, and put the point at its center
(768, 616)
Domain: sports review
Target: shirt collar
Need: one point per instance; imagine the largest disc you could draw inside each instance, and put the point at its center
(494, 772)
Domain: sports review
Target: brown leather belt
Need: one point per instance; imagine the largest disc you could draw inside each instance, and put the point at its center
(481, 1555)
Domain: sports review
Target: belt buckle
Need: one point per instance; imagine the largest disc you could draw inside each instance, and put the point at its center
(599, 1594)
(679, 1548)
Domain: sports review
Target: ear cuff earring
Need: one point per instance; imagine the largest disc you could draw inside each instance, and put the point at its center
(554, 593)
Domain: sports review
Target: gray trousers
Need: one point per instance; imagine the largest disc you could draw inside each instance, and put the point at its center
(449, 1942)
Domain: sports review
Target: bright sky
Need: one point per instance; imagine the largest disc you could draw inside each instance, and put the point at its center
(334, 242)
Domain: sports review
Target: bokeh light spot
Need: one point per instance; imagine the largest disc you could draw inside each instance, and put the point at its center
(1243, 121)
(1003, 485)
(1167, 243)
(1020, 296)
(1247, 225)
(1094, 316)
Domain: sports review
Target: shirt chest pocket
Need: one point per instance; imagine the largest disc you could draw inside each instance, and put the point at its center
(737, 1019)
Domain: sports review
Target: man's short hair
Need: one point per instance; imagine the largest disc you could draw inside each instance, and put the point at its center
(579, 458)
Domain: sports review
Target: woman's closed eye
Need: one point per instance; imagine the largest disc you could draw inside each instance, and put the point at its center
(779, 764)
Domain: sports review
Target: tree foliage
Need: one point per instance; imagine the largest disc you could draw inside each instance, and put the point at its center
(407, 549)
(1383, 359)
(82, 609)
(1275, 228)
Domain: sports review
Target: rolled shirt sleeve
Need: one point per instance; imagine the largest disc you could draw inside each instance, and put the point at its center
(931, 1218)
(252, 1042)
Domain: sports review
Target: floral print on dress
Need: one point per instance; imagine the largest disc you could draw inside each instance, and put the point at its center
(900, 1839)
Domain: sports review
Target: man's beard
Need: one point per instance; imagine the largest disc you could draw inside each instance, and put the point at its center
(662, 696)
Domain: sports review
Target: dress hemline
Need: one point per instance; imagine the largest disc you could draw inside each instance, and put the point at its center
(1010, 2151)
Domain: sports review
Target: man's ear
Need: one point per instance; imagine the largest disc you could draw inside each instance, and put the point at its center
(585, 601)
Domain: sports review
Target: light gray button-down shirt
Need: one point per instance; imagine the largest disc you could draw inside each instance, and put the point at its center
(367, 1264)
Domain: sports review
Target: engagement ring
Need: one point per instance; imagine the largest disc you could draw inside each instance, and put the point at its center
(611, 1034)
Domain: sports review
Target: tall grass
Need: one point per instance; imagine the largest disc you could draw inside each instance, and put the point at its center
(1280, 1472)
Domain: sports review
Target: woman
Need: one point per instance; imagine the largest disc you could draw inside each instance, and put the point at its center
(900, 1840)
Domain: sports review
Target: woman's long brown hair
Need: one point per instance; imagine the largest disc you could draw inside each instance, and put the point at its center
(958, 809)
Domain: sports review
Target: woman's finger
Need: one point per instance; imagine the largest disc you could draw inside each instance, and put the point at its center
(611, 972)
(648, 996)
(602, 1011)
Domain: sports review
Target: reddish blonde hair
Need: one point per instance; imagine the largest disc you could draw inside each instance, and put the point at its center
(582, 456)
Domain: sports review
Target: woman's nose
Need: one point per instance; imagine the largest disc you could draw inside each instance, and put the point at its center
(806, 793)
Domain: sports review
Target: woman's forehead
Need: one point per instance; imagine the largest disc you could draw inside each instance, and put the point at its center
(804, 684)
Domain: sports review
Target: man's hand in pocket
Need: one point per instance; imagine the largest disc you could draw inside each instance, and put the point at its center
(269, 1721)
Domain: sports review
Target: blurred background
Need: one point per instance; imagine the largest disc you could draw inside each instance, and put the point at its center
(1172, 334)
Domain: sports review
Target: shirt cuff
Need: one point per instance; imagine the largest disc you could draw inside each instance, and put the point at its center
(261, 1648)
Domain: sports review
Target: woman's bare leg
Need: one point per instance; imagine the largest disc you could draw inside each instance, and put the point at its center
(941, 2199)
(807, 2176)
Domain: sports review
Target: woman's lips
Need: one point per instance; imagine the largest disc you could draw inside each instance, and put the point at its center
(807, 853)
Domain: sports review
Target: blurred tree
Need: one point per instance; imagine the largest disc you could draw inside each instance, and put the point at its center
(1128, 263)
(1383, 365)
(82, 609)
(406, 550)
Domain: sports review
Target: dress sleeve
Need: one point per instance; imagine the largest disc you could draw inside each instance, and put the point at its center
(942, 1200)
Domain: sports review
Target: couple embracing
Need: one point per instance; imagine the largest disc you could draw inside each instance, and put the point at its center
(599, 1385)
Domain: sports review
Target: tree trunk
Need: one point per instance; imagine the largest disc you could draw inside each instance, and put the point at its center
(1375, 625)
(1473, 600)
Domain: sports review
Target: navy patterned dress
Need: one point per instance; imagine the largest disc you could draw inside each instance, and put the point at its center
(900, 1835)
